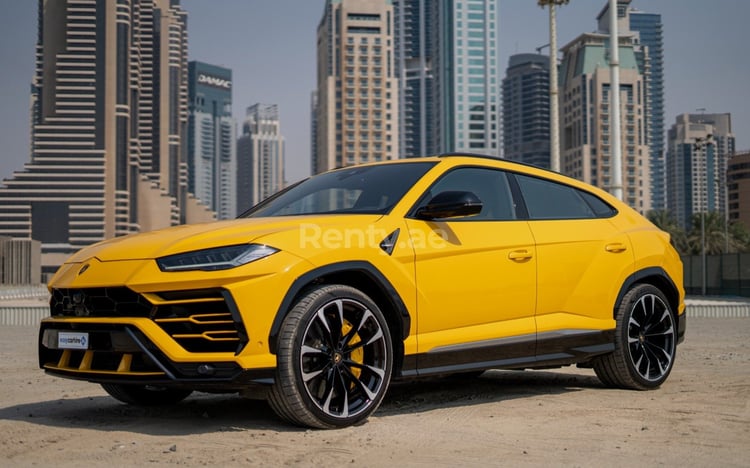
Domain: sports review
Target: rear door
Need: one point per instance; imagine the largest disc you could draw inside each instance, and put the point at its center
(582, 260)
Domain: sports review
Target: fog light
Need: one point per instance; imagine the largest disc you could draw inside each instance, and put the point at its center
(206, 369)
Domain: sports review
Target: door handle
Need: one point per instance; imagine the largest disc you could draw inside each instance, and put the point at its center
(520, 255)
(616, 247)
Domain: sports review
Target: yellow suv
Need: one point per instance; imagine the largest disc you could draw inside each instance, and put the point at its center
(325, 292)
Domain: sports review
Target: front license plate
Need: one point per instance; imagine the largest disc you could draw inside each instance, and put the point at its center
(68, 340)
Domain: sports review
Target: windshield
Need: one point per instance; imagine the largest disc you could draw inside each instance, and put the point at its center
(358, 189)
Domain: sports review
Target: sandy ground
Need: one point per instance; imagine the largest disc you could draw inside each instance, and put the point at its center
(700, 417)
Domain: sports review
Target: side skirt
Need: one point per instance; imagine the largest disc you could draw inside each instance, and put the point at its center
(548, 349)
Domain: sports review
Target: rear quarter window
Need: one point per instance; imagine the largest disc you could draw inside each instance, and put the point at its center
(551, 200)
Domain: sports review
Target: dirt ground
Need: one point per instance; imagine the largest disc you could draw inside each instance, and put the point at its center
(700, 417)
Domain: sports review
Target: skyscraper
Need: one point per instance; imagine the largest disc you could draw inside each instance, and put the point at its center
(466, 85)
(314, 132)
(414, 48)
(446, 59)
(525, 90)
(260, 156)
(357, 114)
(109, 115)
(212, 162)
(585, 100)
(648, 26)
(699, 147)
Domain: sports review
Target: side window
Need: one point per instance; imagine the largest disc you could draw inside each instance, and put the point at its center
(490, 185)
(601, 209)
(549, 200)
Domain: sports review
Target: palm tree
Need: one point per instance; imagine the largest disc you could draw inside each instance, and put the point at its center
(714, 235)
(664, 220)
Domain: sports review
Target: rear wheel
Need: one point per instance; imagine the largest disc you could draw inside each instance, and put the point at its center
(334, 359)
(645, 342)
(146, 395)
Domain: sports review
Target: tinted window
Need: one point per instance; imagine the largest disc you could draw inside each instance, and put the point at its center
(491, 186)
(601, 209)
(359, 189)
(549, 200)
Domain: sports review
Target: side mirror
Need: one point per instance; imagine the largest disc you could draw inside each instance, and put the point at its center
(450, 204)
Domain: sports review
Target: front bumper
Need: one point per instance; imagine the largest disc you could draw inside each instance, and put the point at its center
(193, 338)
(123, 354)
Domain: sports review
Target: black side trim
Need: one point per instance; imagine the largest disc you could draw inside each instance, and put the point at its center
(373, 274)
(557, 348)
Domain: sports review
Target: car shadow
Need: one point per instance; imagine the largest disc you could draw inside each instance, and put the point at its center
(470, 389)
(207, 413)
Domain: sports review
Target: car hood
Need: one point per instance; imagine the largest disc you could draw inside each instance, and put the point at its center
(186, 238)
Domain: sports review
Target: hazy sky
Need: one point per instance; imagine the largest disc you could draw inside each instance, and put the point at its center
(270, 47)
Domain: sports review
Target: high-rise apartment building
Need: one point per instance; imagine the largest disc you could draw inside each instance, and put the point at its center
(585, 112)
(525, 91)
(648, 27)
(260, 156)
(212, 162)
(446, 59)
(699, 147)
(109, 112)
(357, 113)
(738, 188)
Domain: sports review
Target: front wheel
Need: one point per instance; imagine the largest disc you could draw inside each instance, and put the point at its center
(645, 342)
(334, 359)
(146, 395)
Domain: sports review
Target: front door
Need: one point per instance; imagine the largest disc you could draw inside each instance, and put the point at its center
(476, 279)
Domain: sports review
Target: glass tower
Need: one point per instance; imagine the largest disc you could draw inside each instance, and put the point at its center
(649, 28)
(525, 93)
(447, 61)
(413, 40)
(212, 161)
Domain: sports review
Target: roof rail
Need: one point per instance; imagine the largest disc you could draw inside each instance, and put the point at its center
(487, 156)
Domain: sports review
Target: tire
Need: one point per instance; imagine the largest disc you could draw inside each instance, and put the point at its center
(645, 342)
(146, 395)
(334, 359)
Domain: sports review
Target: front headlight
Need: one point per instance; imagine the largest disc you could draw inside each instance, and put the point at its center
(218, 258)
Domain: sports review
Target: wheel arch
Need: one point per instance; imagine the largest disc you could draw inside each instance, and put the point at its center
(655, 276)
(362, 276)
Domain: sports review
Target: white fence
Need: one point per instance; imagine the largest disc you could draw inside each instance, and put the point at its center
(23, 305)
(27, 305)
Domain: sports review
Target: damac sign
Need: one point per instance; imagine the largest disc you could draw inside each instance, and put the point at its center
(214, 81)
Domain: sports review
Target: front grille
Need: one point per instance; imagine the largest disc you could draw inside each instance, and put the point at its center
(99, 302)
(201, 321)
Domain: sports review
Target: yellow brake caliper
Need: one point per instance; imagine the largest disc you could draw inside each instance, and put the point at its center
(358, 354)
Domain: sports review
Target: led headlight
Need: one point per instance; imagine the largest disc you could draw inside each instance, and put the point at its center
(219, 258)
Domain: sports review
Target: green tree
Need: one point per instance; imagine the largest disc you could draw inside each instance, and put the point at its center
(664, 220)
(719, 237)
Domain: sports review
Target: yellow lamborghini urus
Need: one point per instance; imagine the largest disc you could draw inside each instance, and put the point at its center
(323, 294)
